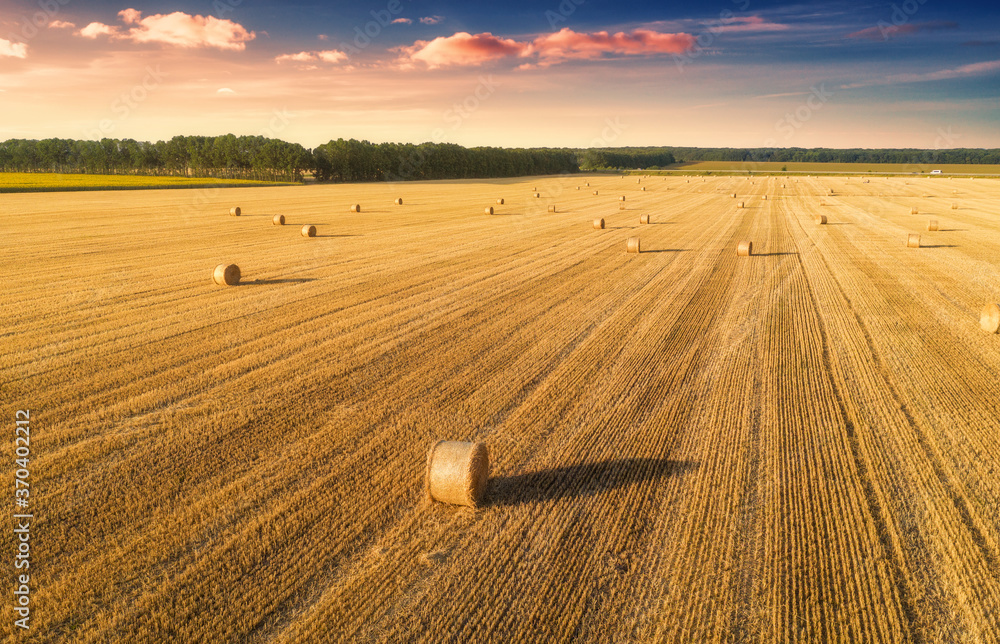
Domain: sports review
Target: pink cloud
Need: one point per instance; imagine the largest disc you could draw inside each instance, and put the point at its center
(750, 23)
(466, 49)
(886, 31)
(178, 28)
(328, 56)
(567, 44)
(402, 21)
(13, 49)
(61, 24)
(462, 49)
(431, 20)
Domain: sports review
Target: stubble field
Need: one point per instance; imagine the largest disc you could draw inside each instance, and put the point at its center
(686, 445)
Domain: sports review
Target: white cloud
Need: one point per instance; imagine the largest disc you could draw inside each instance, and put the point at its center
(224, 91)
(177, 28)
(328, 56)
(13, 49)
(61, 24)
(431, 20)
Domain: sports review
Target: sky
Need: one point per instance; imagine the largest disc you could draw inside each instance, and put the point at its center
(550, 73)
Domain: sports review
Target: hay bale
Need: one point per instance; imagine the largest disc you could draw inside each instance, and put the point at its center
(489, 211)
(226, 275)
(913, 240)
(552, 208)
(278, 220)
(235, 211)
(587, 184)
(598, 224)
(399, 201)
(643, 188)
(499, 202)
(621, 198)
(932, 224)
(745, 249)
(740, 205)
(989, 318)
(821, 219)
(733, 195)
(537, 195)
(578, 187)
(632, 245)
(644, 219)
(638, 180)
(595, 192)
(457, 472)
(764, 197)
(308, 231)
(914, 211)
(954, 206)
(356, 207)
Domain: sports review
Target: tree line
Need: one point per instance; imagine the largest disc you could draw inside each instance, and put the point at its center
(261, 158)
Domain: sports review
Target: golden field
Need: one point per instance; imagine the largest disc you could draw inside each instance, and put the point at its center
(57, 182)
(686, 445)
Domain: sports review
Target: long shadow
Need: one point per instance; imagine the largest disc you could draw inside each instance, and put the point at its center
(581, 480)
(772, 254)
(839, 223)
(293, 280)
(938, 246)
(345, 235)
(666, 250)
(621, 227)
(954, 230)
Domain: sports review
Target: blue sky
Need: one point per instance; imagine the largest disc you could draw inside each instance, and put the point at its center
(745, 73)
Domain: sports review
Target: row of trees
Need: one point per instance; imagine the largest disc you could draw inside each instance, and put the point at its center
(257, 157)
(228, 156)
(827, 155)
(611, 158)
(353, 160)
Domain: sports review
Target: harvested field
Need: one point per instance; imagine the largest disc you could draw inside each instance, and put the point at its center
(684, 445)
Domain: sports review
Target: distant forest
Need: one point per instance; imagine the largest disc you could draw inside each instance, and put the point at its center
(260, 158)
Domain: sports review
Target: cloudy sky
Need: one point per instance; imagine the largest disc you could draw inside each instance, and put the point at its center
(914, 73)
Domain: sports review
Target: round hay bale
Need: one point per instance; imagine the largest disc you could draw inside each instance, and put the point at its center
(457, 472)
(595, 192)
(638, 180)
(831, 191)
(356, 207)
(578, 187)
(932, 224)
(500, 202)
(587, 184)
(632, 245)
(764, 197)
(226, 275)
(598, 224)
(278, 220)
(914, 211)
(399, 201)
(308, 231)
(552, 208)
(782, 185)
(643, 219)
(621, 198)
(537, 195)
(989, 318)
(643, 188)
(489, 211)
(745, 249)
(913, 240)
(821, 219)
(740, 205)
(954, 206)
(235, 211)
(733, 195)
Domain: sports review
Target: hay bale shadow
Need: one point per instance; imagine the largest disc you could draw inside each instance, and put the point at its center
(580, 480)
(290, 280)
(666, 250)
